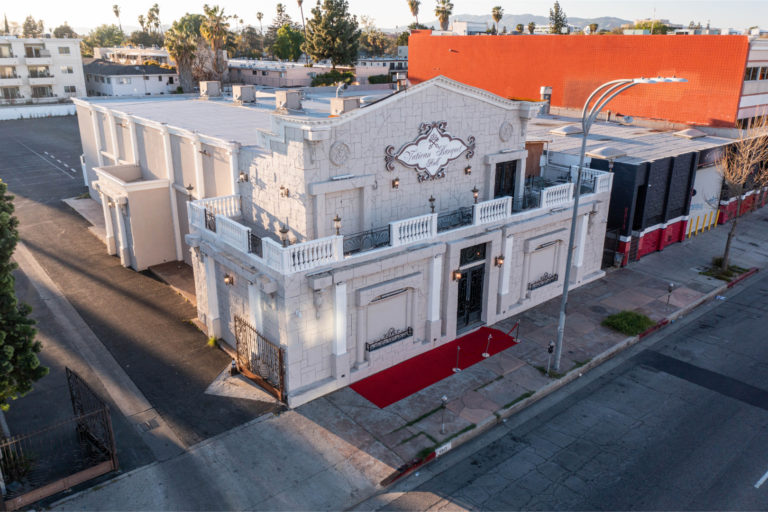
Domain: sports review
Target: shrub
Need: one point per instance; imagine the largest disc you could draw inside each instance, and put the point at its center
(378, 79)
(630, 323)
(332, 78)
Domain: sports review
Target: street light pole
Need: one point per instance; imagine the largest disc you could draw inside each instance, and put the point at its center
(607, 92)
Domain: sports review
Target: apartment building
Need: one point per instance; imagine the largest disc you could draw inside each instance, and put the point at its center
(44, 70)
(331, 242)
(132, 55)
(104, 78)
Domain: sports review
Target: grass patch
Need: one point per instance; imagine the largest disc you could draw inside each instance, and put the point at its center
(553, 374)
(627, 322)
(413, 422)
(519, 399)
(579, 364)
(84, 195)
(425, 452)
(212, 342)
(457, 434)
(723, 275)
(489, 383)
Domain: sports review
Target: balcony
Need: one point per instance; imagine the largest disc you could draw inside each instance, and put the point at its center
(41, 79)
(9, 81)
(217, 221)
(9, 60)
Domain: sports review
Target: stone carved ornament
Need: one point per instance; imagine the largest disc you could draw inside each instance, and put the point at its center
(506, 131)
(339, 153)
(430, 152)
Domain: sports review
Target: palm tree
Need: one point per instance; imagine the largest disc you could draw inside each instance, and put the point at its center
(181, 44)
(531, 27)
(303, 25)
(443, 11)
(142, 23)
(497, 13)
(214, 30)
(520, 28)
(413, 5)
(116, 10)
(260, 16)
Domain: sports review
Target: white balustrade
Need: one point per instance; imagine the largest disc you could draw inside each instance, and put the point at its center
(303, 256)
(491, 211)
(233, 233)
(412, 230)
(604, 182)
(196, 214)
(556, 196)
(273, 254)
(229, 206)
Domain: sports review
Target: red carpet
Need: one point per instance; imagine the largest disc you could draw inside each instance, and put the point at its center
(402, 380)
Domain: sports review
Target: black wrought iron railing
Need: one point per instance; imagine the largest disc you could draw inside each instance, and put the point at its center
(454, 219)
(366, 240)
(254, 245)
(393, 335)
(210, 220)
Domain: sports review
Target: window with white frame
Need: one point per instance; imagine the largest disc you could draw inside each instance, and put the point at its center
(70, 89)
(67, 70)
(64, 50)
(123, 80)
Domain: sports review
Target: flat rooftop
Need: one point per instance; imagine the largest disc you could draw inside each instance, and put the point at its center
(640, 144)
(220, 117)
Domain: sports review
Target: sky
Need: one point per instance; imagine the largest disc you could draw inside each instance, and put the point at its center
(394, 13)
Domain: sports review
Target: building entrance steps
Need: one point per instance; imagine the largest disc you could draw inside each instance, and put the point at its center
(179, 276)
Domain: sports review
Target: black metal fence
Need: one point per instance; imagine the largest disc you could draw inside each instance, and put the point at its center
(366, 240)
(210, 220)
(259, 359)
(42, 463)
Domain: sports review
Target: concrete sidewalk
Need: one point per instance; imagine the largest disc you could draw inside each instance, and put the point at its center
(334, 452)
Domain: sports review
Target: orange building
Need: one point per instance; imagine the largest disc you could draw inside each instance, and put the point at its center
(727, 75)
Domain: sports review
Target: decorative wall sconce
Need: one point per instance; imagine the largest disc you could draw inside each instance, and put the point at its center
(499, 260)
(229, 279)
(475, 193)
(189, 188)
(432, 203)
(337, 224)
(468, 170)
(284, 192)
(284, 234)
(204, 152)
(456, 274)
(243, 177)
(110, 203)
(396, 183)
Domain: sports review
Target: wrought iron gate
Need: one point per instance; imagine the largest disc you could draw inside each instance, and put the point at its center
(259, 359)
(97, 429)
(610, 247)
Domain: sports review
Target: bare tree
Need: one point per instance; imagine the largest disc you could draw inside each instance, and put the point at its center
(742, 166)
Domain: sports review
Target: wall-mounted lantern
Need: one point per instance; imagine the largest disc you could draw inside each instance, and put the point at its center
(229, 279)
(456, 274)
(432, 203)
(468, 170)
(499, 260)
(243, 177)
(475, 193)
(396, 183)
(337, 224)
(284, 234)
(284, 192)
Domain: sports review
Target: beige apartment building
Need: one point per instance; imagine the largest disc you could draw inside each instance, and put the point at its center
(43, 70)
(332, 241)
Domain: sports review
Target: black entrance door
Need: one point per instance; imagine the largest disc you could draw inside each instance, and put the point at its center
(470, 303)
(505, 179)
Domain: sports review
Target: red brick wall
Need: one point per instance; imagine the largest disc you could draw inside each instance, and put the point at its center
(517, 66)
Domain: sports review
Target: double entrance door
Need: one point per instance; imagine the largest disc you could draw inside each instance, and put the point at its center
(469, 310)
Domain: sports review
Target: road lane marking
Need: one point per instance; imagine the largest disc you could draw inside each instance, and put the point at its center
(45, 159)
(762, 480)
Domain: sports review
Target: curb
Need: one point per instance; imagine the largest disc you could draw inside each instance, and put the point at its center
(553, 386)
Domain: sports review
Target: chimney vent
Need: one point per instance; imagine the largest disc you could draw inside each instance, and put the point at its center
(287, 100)
(546, 95)
(243, 94)
(210, 89)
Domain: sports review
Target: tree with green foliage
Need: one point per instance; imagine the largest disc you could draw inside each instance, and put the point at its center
(181, 41)
(248, 43)
(32, 28)
(333, 77)
(64, 31)
(593, 28)
(413, 5)
(103, 36)
(497, 13)
(153, 19)
(443, 11)
(19, 365)
(6, 28)
(281, 19)
(116, 12)
(531, 27)
(215, 31)
(146, 39)
(287, 46)
(332, 33)
(402, 37)
(373, 41)
(654, 27)
(520, 28)
(558, 21)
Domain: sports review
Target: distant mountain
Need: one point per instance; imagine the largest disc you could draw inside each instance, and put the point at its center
(511, 21)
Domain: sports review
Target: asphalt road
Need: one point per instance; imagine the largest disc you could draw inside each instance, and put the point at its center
(142, 322)
(680, 422)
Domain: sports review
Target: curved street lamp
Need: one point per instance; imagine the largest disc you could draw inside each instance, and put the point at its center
(604, 94)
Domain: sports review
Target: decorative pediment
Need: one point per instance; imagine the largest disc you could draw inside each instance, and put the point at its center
(431, 151)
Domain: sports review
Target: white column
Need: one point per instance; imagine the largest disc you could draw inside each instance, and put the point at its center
(579, 259)
(169, 173)
(125, 254)
(113, 136)
(361, 331)
(96, 136)
(234, 150)
(506, 269)
(134, 141)
(340, 319)
(199, 177)
(524, 277)
(435, 286)
(214, 322)
(255, 314)
(110, 232)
